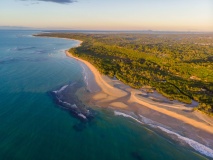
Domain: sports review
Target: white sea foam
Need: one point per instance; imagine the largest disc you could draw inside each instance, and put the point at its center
(147, 120)
(117, 113)
(195, 145)
(74, 106)
(60, 100)
(61, 89)
(67, 103)
(81, 115)
(85, 74)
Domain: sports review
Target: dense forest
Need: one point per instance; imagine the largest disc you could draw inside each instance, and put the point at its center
(179, 66)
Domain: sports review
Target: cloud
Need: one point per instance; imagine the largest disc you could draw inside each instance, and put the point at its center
(56, 1)
(59, 1)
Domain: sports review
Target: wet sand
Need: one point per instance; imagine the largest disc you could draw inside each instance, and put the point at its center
(173, 115)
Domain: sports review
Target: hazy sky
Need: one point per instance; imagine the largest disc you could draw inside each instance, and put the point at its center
(179, 15)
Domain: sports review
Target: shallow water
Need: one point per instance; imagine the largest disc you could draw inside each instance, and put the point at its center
(33, 126)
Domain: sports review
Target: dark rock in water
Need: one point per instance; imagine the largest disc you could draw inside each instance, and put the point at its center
(136, 156)
(79, 127)
(67, 99)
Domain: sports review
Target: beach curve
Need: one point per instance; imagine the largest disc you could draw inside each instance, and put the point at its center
(113, 94)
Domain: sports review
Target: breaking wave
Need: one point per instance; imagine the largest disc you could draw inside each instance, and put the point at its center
(65, 97)
(195, 145)
(85, 75)
(117, 113)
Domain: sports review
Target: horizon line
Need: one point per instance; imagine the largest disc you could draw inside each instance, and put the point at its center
(98, 30)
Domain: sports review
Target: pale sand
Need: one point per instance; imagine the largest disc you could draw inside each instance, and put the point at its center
(175, 115)
(118, 105)
(105, 87)
(183, 118)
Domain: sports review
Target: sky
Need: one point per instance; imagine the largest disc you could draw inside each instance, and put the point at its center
(160, 15)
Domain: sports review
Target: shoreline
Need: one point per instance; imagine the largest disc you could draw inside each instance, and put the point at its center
(177, 117)
(79, 41)
(113, 93)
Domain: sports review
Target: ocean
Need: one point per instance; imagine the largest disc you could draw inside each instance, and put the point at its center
(37, 86)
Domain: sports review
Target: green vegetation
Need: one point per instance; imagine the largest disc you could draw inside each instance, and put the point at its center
(179, 66)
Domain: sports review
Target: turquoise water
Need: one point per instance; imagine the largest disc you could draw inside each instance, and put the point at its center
(34, 127)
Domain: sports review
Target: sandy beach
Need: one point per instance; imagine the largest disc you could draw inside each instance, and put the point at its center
(174, 115)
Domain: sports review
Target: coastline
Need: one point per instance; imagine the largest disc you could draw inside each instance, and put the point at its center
(177, 117)
(111, 93)
(79, 41)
